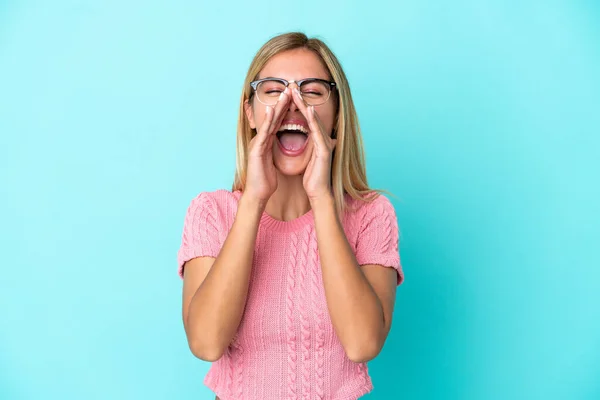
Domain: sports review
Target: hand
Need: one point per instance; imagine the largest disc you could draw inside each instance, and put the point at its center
(261, 178)
(316, 180)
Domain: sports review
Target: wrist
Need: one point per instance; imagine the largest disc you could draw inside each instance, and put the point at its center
(323, 202)
(252, 204)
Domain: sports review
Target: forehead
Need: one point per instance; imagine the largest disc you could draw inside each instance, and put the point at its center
(295, 65)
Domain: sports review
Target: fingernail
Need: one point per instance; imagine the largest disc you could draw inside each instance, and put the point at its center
(282, 94)
(287, 90)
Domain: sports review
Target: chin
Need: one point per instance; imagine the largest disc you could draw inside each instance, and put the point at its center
(291, 165)
(293, 168)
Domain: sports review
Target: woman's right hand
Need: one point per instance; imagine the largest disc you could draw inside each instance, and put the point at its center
(261, 176)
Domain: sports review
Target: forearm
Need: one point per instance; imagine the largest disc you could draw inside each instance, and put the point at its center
(356, 311)
(217, 306)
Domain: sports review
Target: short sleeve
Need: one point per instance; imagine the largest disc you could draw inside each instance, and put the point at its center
(377, 241)
(200, 237)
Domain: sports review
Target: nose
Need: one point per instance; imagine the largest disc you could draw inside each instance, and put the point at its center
(293, 86)
(293, 106)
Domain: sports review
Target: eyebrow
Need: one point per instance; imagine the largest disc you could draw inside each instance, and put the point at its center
(275, 77)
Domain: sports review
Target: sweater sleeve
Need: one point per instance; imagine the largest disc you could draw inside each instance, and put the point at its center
(200, 237)
(378, 237)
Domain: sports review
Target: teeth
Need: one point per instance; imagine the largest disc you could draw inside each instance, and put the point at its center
(293, 127)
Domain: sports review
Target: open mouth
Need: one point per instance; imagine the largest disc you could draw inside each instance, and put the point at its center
(292, 137)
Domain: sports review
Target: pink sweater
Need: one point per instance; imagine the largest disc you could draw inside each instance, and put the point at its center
(286, 347)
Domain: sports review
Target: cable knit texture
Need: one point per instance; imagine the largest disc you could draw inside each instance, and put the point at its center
(286, 347)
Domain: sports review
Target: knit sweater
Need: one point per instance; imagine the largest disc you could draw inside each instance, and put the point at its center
(285, 346)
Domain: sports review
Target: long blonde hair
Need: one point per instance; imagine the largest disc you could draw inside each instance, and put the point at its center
(348, 173)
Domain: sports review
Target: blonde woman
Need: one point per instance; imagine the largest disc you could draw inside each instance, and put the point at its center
(289, 279)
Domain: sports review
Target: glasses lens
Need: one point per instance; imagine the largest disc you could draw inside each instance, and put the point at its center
(315, 93)
(268, 92)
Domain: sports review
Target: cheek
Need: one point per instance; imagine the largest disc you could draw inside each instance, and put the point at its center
(258, 114)
(327, 118)
(259, 111)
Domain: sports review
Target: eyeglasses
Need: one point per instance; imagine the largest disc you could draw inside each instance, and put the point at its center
(314, 91)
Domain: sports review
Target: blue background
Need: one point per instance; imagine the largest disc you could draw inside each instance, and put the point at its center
(482, 117)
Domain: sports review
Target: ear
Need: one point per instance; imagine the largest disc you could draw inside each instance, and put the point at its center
(249, 114)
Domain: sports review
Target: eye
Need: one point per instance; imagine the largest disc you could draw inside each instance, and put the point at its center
(312, 93)
(270, 88)
(314, 89)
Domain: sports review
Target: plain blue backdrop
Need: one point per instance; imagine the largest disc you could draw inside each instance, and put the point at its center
(482, 117)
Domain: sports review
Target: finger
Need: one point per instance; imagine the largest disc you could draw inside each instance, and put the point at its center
(269, 142)
(297, 98)
(316, 131)
(264, 128)
(310, 115)
(305, 110)
(319, 124)
(327, 138)
(280, 109)
(311, 164)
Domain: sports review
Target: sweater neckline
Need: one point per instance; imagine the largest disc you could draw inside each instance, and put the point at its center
(277, 225)
(273, 224)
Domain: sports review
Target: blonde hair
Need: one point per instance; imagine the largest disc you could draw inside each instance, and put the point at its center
(348, 172)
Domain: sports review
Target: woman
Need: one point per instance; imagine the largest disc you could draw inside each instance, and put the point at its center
(289, 279)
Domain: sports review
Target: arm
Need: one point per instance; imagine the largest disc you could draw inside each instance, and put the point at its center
(360, 299)
(215, 289)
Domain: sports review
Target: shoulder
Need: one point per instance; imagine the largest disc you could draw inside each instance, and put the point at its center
(376, 204)
(219, 204)
(218, 197)
(361, 214)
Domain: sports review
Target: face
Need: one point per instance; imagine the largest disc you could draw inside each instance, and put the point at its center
(293, 65)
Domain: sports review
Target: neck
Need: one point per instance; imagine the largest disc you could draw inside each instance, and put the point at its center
(289, 200)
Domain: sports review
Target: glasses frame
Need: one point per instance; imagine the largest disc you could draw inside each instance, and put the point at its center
(330, 84)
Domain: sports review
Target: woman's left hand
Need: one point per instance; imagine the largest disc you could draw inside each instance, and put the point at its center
(316, 180)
